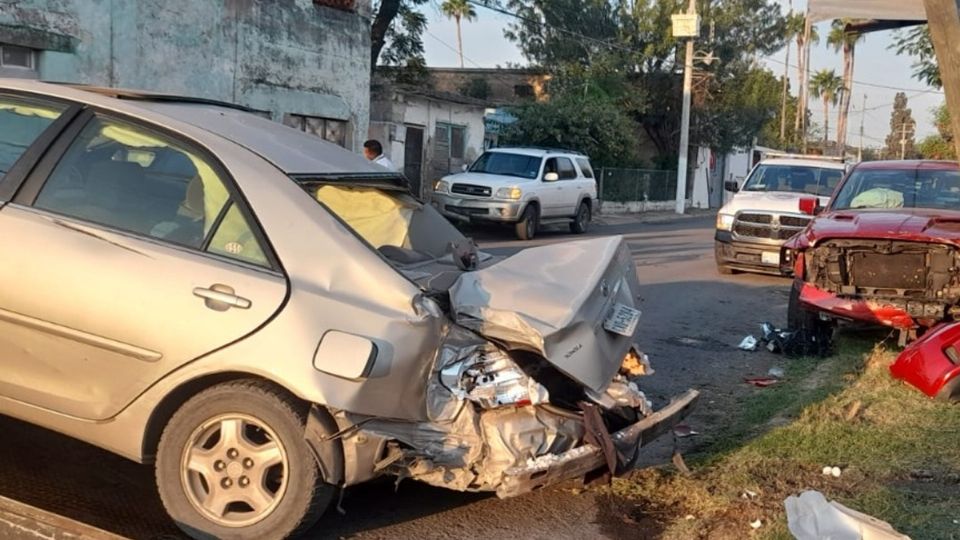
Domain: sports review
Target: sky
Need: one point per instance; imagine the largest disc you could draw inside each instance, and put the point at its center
(878, 72)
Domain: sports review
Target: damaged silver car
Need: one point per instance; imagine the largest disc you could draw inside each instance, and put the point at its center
(268, 318)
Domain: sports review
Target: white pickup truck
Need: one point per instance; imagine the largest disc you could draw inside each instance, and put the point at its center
(765, 211)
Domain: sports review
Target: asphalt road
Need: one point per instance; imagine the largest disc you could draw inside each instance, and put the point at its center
(692, 321)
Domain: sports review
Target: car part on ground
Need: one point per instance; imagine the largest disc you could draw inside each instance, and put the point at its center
(932, 363)
(813, 336)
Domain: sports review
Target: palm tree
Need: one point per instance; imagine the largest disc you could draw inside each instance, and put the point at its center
(459, 10)
(846, 42)
(795, 26)
(828, 86)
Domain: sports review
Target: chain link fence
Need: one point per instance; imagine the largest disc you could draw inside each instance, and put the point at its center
(631, 185)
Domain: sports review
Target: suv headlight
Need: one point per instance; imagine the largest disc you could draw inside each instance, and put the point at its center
(442, 186)
(512, 193)
(724, 222)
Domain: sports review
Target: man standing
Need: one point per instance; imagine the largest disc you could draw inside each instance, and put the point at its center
(373, 151)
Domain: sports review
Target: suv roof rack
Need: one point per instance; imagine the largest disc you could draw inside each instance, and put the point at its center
(787, 155)
(547, 149)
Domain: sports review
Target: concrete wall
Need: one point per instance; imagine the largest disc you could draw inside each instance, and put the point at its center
(282, 56)
(501, 82)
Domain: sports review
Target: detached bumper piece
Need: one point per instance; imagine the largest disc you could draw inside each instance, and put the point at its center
(932, 363)
(582, 460)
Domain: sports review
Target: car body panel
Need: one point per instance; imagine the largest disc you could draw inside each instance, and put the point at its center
(855, 309)
(919, 225)
(925, 364)
(773, 201)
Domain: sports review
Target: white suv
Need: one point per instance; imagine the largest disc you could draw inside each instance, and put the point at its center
(765, 212)
(521, 186)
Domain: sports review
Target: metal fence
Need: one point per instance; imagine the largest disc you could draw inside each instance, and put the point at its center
(628, 185)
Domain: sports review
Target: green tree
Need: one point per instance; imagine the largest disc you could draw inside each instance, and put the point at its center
(916, 42)
(939, 146)
(476, 87)
(846, 42)
(396, 39)
(826, 85)
(459, 10)
(900, 141)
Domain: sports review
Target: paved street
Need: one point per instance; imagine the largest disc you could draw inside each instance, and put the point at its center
(692, 322)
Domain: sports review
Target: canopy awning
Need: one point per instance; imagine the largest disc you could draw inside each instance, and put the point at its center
(878, 10)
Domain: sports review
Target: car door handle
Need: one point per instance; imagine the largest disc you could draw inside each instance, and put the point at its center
(221, 298)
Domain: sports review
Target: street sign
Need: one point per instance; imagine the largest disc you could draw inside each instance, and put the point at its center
(686, 25)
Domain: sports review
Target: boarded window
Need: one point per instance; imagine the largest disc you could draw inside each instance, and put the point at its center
(328, 129)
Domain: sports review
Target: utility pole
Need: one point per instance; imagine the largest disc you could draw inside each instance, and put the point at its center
(685, 115)
(783, 95)
(863, 115)
(903, 140)
(805, 84)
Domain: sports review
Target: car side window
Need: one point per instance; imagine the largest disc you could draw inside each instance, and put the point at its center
(22, 121)
(585, 167)
(137, 180)
(566, 169)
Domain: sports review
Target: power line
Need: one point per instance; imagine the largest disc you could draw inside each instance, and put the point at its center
(863, 83)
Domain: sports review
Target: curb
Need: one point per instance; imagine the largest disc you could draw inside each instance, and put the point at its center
(19, 520)
(651, 217)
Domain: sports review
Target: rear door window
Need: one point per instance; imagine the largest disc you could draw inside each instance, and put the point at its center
(585, 167)
(566, 169)
(22, 121)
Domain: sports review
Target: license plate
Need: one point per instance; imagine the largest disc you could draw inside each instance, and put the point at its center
(770, 257)
(622, 320)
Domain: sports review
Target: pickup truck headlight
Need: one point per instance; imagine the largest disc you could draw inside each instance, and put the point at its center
(442, 186)
(724, 222)
(511, 193)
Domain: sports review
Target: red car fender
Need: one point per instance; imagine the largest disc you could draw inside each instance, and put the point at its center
(932, 363)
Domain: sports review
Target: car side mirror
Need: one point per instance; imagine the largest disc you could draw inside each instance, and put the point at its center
(810, 206)
(551, 177)
(464, 167)
(731, 186)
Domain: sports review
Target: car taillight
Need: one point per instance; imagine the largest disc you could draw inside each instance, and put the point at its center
(798, 270)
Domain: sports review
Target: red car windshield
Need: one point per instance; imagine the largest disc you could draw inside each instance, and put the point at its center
(908, 188)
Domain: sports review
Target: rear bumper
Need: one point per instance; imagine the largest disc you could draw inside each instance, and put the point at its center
(588, 458)
(925, 364)
(868, 311)
(478, 210)
(748, 256)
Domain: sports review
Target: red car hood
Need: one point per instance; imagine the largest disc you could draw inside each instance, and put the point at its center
(920, 225)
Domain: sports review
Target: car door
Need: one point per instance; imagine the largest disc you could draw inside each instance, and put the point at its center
(549, 193)
(586, 182)
(568, 187)
(116, 273)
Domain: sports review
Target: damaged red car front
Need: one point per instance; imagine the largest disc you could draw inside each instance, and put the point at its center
(886, 251)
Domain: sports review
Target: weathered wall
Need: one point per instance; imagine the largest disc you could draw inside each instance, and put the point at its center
(501, 82)
(282, 56)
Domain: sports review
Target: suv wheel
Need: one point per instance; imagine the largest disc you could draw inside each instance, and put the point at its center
(814, 337)
(582, 220)
(233, 463)
(526, 228)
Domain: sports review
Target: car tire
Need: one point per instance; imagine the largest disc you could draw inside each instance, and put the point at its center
(814, 337)
(526, 228)
(233, 463)
(581, 221)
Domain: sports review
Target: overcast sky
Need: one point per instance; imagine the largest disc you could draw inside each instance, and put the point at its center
(485, 46)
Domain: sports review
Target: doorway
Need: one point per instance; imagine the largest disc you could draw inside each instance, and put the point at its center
(413, 159)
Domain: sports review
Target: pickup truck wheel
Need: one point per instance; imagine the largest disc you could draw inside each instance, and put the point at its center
(582, 220)
(814, 336)
(722, 268)
(526, 228)
(233, 462)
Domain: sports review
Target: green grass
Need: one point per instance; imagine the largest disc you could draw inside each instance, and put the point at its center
(899, 451)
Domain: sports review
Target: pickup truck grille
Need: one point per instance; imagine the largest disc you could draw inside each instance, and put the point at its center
(470, 189)
(768, 226)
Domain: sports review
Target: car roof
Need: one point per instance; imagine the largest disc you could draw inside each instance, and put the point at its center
(910, 165)
(291, 150)
(804, 162)
(537, 152)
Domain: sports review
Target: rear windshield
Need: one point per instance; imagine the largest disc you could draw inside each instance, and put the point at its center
(507, 164)
(900, 189)
(794, 179)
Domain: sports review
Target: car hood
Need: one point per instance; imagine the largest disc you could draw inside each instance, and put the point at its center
(552, 301)
(481, 179)
(769, 201)
(906, 224)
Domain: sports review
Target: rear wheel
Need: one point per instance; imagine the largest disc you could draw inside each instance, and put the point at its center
(814, 337)
(581, 221)
(526, 228)
(233, 463)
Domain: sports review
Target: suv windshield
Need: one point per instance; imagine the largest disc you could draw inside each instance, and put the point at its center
(519, 165)
(794, 179)
(900, 189)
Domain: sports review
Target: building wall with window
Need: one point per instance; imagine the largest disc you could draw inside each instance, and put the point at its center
(495, 85)
(300, 61)
(426, 134)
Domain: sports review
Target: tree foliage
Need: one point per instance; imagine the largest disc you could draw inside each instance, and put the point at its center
(902, 128)
(917, 43)
(939, 146)
(396, 38)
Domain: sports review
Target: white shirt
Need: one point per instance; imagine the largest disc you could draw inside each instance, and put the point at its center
(384, 161)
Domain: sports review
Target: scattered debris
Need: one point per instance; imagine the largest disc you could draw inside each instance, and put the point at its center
(777, 340)
(749, 343)
(756, 524)
(922, 475)
(832, 471)
(811, 517)
(636, 364)
(761, 382)
(747, 494)
(853, 410)
(680, 464)
(689, 517)
(776, 372)
(682, 431)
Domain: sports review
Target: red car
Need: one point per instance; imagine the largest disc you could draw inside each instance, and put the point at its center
(885, 251)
